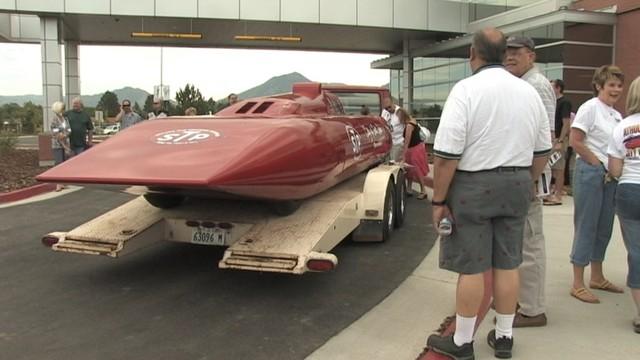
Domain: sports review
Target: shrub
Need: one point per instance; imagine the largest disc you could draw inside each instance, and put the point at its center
(8, 141)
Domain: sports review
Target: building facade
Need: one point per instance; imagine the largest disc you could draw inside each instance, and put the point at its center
(572, 40)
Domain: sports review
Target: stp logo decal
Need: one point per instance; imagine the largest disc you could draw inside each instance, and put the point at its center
(184, 136)
(354, 138)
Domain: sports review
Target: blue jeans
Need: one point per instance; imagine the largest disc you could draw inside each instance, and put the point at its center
(628, 210)
(593, 213)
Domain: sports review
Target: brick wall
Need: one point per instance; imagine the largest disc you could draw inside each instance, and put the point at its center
(627, 40)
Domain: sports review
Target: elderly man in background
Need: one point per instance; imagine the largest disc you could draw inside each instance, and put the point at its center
(493, 139)
(81, 135)
(157, 110)
(520, 61)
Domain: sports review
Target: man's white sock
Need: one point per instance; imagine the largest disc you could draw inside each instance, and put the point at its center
(504, 325)
(464, 330)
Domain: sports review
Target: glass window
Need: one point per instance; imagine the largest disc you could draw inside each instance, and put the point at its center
(441, 92)
(442, 72)
(417, 78)
(457, 71)
(555, 73)
(417, 63)
(428, 93)
(353, 102)
(429, 77)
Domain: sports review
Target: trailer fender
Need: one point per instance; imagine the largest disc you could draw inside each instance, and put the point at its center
(375, 188)
(379, 190)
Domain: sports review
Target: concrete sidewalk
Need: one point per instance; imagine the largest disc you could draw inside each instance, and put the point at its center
(397, 328)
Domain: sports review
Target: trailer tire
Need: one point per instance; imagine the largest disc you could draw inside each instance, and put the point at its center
(285, 208)
(401, 198)
(389, 211)
(164, 201)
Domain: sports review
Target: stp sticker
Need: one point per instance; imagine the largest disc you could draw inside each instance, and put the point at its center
(354, 138)
(184, 136)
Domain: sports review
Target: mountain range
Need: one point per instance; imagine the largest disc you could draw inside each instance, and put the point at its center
(276, 85)
(127, 92)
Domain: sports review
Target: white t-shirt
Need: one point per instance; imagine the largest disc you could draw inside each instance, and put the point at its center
(397, 127)
(625, 144)
(492, 119)
(597, 120)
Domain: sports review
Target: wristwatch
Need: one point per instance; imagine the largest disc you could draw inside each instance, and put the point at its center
(438, 203)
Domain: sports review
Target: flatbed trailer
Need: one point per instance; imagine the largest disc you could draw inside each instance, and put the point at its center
(367, 207)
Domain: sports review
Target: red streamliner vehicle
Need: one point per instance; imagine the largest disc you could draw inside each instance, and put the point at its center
(284, 147)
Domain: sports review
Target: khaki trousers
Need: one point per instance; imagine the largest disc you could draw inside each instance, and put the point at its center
(534, 264)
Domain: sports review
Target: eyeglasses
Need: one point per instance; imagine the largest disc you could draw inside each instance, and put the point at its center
(126, 105)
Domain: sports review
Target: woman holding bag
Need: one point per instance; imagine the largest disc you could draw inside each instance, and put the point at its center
(415, 154)
(60, 131)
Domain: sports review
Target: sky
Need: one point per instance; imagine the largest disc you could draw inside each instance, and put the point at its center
(216, 72)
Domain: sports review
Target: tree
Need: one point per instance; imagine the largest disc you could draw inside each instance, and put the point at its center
(32, 118)
(109, 104)
(136, 108)
(211, 106)
(188, 97)
(148, 105)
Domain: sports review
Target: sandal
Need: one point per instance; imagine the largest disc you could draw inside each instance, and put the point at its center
(606, 285)
(422, 196)
(585, 295)
(551, 201)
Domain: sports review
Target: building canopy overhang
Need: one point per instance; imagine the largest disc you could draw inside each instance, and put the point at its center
(458, 47)
(116, 30)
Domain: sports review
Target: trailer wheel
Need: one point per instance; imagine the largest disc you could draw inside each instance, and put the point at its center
(164, 201)
(389, 211)
(284, 208)
(401, 197)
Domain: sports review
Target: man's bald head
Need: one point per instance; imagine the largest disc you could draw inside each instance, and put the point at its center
(490, 45)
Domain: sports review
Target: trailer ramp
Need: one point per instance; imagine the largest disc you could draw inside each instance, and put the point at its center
(110, 232)
(287, 244)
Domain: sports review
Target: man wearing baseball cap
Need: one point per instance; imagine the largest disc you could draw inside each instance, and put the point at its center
(520, 61)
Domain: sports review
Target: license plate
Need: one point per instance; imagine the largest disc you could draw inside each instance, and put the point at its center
(210, 236)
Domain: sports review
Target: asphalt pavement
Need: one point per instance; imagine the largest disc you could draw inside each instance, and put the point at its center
(171, 301)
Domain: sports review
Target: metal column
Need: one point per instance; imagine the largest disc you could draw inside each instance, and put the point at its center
(51, 67)
(72, 71)
(407, 76)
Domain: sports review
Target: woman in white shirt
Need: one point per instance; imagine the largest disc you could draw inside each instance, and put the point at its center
(624, 162)
(593, 187)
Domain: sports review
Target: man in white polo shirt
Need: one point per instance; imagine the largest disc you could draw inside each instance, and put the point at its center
(520, 61)
(390, 114)
(493, 139)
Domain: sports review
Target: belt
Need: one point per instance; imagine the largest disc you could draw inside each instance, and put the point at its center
(498, 169)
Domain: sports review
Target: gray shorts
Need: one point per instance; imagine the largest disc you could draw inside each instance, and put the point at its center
(396, 152)
(489, 209)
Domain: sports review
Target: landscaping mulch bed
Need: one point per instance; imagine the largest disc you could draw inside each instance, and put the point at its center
(18, 169)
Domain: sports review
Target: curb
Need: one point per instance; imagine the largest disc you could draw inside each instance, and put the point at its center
(25, 193)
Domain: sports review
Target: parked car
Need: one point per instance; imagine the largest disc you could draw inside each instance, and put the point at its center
(111, 129)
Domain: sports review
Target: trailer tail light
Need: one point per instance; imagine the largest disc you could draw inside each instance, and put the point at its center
(192, 223)
(320, 265)
(49, 240)
(371, 213)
